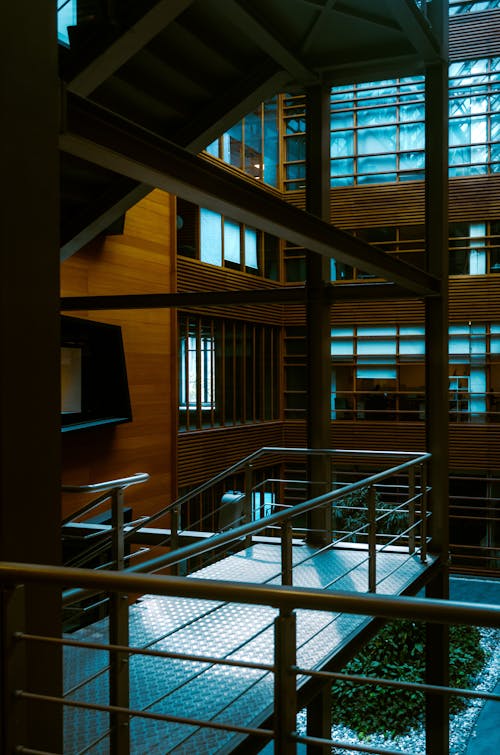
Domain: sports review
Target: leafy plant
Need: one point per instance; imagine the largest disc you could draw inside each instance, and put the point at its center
(397, 652)
(351, 513)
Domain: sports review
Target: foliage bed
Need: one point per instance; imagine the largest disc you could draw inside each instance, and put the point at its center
(398, 652)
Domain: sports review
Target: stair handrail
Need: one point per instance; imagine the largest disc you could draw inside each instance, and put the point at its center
(97, 487)
(250, 528)
(247, 462)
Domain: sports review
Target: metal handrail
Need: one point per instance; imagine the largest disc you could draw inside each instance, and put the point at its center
(99, 487)
(284, 597)
(252, 528)
(248, 460)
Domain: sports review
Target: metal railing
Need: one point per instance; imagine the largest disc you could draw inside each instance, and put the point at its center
(283, 667)
(288, 522)
(108, 538)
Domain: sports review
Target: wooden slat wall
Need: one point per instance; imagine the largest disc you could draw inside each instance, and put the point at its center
(470, 198)
(475, 35)
(472, 447)
(138, 261)
(194, 275)
(204, 453)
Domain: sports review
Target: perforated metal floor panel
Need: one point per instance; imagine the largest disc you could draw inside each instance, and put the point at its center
(232, 631)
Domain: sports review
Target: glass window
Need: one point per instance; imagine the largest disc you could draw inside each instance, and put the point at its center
(232, 241)
(210, 237)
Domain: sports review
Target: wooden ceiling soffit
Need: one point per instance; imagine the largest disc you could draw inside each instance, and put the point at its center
(100, 137)
(125, 47)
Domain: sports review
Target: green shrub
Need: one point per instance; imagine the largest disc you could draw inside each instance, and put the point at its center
(398, 652)
(351, 513)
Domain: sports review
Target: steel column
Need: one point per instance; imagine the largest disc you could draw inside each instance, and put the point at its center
(118, 635)
(285, 706)
(318, 309)
(436, 311)
(319, 720)
(29, 338)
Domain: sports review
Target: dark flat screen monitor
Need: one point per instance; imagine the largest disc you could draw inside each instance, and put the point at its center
(94, 385)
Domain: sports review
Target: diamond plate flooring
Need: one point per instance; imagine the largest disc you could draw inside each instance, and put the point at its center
(232, 631)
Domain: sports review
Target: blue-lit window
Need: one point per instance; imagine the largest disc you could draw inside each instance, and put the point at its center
(212, 238)
(466, 6)
(252, 144)
(66, 16)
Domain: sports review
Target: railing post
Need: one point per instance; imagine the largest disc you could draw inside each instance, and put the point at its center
(423, 513)
(286, 553)
(247, 501)
(285, 688)
(411, 509)
(118, 635)
(174, 534)
(372, 540)
(12, 670)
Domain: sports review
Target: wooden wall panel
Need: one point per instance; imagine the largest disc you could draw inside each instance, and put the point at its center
(470, 198)
(204, 453)
(472, 447)
(475, 35)
(139, 261)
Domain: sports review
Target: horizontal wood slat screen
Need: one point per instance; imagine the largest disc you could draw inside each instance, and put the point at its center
(403, 203)
(193, 275)
(475, 35)
(472, 447)
(475, 298)
(204, 453)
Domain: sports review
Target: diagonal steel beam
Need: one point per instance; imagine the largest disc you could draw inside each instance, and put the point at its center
(104, 65)
(100, 137)
(98, 215)
(417, 29)
(230, 106)
(267, 41)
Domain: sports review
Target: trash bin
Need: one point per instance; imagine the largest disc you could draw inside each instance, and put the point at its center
(231, 510)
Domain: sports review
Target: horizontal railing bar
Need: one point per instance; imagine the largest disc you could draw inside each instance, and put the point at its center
(143, 651)
(348, 746)
(383, 682)
(97, 487)
(278, 596)
(250, 528)
(280, 450)
(23, 694)
(29, 751)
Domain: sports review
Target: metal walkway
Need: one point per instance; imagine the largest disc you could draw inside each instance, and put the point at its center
(231, 631)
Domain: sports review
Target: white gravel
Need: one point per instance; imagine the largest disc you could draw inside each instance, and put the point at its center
(462, 724)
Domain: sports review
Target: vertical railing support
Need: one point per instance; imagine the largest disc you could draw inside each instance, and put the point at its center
(423, 513)
(247, 501)
(372, 539)
(411, 509)
(12, 670)
(118, 635)
(286, 553)
(285, 691)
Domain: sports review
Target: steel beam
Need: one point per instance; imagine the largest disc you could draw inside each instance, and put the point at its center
(268, 41)
(182, 300)
(98, 215)
(95, 135)
(132, 41)
(417, 29)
